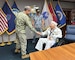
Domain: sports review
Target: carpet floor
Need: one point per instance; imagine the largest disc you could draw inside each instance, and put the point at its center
(7, 52)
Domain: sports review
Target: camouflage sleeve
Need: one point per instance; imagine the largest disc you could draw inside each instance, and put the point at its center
(29, 24)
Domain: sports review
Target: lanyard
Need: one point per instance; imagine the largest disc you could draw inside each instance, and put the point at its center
(50, 33)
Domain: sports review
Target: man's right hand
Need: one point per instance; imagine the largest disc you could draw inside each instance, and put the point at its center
(39, 33)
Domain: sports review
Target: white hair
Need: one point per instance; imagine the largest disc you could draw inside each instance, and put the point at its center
(53, 22)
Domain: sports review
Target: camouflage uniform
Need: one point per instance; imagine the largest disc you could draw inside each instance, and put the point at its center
(22, 20)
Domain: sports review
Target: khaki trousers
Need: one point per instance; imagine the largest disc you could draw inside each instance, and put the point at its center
(21, 42)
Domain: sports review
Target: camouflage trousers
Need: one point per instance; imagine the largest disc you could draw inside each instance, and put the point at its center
(21, 42)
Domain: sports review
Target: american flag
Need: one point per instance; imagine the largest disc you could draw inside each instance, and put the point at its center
(3, 22)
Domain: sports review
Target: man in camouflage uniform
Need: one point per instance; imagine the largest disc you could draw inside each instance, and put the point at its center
(23, 20)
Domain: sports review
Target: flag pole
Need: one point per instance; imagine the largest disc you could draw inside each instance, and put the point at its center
(2, 44)
(9, 42)
(51, 1)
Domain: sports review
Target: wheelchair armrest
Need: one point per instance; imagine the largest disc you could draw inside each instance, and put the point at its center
(58, 39)
(61, 41)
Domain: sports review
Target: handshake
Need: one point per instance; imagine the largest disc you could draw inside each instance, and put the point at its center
(39, 33)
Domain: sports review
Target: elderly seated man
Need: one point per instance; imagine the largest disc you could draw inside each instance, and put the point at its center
(53, 32)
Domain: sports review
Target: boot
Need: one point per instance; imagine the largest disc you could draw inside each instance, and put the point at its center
(25, 56)
(17, 51)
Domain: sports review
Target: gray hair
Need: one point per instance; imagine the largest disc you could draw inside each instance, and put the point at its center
(27, 8)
